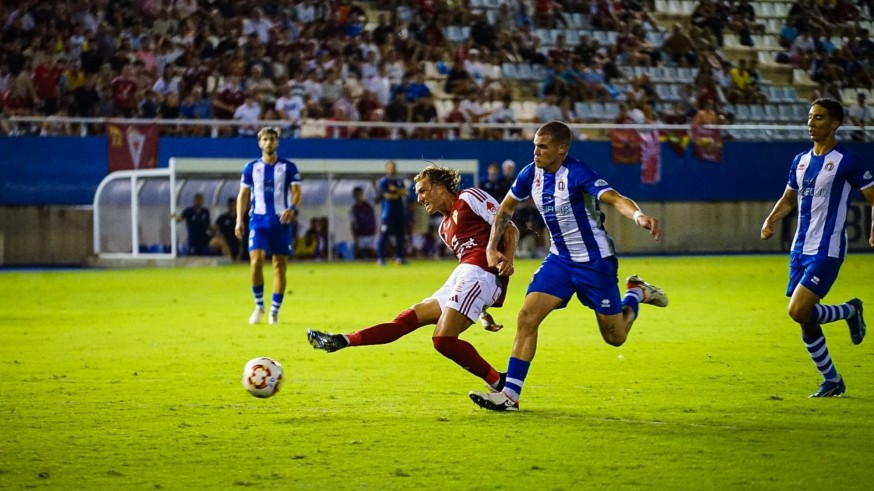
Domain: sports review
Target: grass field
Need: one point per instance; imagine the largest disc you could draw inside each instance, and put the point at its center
(131, 380)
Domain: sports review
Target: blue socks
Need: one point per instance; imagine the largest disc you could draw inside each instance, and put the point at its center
(258, 293)
(819, 354)
(276, 303)
(517, 370)
(823, 314)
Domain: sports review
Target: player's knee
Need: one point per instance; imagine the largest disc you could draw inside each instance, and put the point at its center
(444, 344)
(614, 339)
(799, 314)
(526, 322)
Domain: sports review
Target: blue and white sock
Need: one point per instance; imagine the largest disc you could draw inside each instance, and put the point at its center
(819, 354)
(823, 314)
(517, 370)
(258, 293)
(632, 299)
(276, 303)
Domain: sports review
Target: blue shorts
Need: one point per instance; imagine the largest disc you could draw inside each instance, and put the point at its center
(595, 283)
(275, 239)
(817, 274)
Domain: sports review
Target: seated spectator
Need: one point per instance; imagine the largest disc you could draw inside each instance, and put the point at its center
(859, 114)
(548, 110)
(679, 47)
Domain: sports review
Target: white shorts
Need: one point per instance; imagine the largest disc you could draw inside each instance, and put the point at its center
(469, 290)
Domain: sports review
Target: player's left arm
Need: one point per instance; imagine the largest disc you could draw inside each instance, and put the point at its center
(868, 193)
(289, 213)
(630, 210)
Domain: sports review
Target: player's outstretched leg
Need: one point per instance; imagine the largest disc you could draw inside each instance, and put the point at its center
(494, 401)
(326, 341)
(856, 322)
(651, 294)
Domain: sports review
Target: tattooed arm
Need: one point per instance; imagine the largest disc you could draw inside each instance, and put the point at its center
(502, 222)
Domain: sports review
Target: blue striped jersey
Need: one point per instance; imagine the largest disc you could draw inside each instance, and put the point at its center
(568, 202)
(824, 185)
(269, 185)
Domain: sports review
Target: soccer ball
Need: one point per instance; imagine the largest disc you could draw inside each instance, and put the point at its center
(262, 377)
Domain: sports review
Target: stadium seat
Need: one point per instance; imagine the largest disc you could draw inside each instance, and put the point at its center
(611, 110)
(538, 72)
(510, 71)
(742, 112)
(524, 71)
(772, 114)
(786, 115)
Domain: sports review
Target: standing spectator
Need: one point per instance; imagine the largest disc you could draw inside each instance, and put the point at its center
(124, 93)
(494, 183)
(249, 111)
(392, 194)
(362, 220)
(269, 195)
(290, 108)
(199, 227)
(46, 79)
(225, 240)
(820, 184)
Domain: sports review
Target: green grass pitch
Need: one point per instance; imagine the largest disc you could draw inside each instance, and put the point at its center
(131, 380)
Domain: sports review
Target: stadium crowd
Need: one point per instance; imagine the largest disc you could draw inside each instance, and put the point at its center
(291, 60)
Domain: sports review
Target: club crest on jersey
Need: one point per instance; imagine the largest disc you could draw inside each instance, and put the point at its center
(561, 185)
(491, 207)
(455, 216)
(829, 166)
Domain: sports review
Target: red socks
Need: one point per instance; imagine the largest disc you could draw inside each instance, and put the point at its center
(405, 323)
(466, 356)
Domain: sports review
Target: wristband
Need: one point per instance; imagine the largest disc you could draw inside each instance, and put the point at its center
(636, 216)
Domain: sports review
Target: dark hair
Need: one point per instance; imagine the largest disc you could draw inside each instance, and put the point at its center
(446, 177)
(559, 132)
(357, 189)
(835, 109)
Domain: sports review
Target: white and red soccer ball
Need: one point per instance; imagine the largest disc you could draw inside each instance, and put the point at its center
(262, 377)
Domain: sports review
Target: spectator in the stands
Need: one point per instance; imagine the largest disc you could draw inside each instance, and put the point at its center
(706, 16)
(124, 93)
(679, 47)
(859, 113)
(248, 111)
(548, 110)
(458, 80)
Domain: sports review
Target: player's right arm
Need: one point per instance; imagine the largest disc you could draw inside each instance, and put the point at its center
(242, 210)
(496, 258)
(782, 208)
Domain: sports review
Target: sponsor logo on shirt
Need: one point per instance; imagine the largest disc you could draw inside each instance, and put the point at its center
(867, 174)
(605, 303)
(812, 191)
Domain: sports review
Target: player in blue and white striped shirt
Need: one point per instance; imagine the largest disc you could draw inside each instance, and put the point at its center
(271, 186)
(581, 256)
(821, 181)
